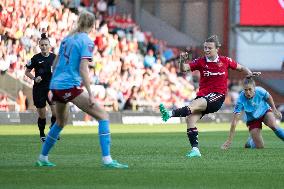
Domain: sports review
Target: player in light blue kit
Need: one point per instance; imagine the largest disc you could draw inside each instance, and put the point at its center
(259, 107)
(71, 69)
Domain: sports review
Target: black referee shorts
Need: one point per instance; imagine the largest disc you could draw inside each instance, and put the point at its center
(40, 96)
(214, 102)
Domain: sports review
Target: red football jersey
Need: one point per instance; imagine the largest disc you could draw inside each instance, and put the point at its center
(213, 75)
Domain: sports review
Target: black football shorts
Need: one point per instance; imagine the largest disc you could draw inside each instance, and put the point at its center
(214, 102)
(40, 97)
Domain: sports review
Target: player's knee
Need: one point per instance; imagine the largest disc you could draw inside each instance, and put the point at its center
(61, 122)
(41, 113)
(190, 123)
(259, 145)
(41, 116)
(100, 114)
(104, 116)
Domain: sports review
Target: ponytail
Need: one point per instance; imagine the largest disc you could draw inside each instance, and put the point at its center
(249, 80)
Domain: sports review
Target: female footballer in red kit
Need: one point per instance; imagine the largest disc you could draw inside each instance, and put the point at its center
(212, 88)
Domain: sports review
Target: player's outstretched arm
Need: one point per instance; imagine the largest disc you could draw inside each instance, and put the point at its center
(234, 123)
(247, 71)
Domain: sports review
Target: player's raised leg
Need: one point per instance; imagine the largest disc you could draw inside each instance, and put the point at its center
(196, 106)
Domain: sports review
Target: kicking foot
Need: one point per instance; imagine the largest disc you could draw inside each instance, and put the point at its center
(164, 112)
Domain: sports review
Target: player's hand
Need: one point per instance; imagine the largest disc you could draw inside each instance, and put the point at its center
(183, 57)
(38, 79)
(91, 100)
(254, 74)
(277, 114)
(226, 145)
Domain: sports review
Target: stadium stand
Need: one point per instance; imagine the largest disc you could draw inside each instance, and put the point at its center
(132, 70)
(118, 59)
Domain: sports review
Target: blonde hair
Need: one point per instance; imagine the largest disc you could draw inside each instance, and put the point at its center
(214, 39)
(86, 21)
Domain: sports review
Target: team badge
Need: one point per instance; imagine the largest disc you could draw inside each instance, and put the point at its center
(29, 63)
(91, 47)
(220, 64)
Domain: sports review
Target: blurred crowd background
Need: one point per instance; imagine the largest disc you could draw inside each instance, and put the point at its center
(132, 70)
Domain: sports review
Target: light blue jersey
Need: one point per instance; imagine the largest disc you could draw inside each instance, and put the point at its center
(255, 107)
(72, 50)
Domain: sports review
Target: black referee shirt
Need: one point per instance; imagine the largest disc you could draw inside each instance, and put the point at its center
(42, 66)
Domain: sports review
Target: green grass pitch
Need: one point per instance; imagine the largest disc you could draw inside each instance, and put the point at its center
(155, 154)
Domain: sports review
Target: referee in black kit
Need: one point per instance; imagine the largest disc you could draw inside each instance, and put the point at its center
(42, 65)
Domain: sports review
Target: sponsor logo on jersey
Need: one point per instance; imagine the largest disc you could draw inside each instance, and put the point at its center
(208, 73)
(91, 47)
(220, 64)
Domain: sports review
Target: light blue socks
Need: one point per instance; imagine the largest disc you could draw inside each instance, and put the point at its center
(279, 132)
(51, 139)
(250, 143)
(104, 136)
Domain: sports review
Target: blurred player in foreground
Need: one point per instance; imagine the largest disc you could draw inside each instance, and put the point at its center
(259, 107)
(42, 63)
(71, 68)
(212, 88)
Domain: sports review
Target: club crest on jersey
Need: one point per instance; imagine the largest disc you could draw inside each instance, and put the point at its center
(91, 48)
(220, 64)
